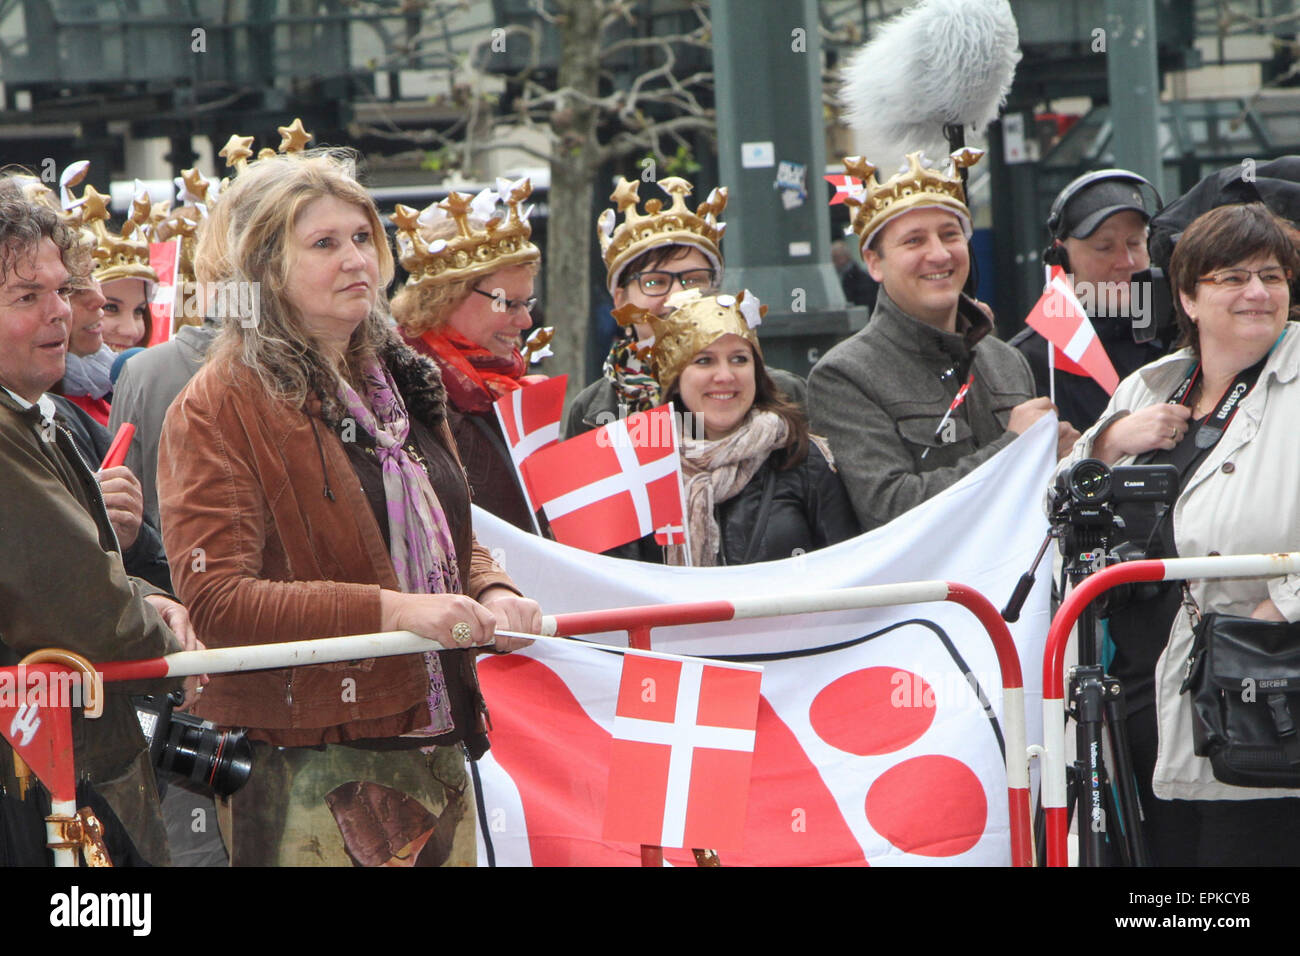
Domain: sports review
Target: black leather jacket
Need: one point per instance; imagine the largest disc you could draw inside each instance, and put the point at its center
(777, 515)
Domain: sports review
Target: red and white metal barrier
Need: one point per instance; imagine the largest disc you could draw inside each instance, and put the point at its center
(638, 622)
(1174, 569)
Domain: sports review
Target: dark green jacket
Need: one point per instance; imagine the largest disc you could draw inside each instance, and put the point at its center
(62, 584)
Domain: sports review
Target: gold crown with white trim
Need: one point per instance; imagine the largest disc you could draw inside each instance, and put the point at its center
(694, 323)
(915, 186)
(657, 226)
(501, 241)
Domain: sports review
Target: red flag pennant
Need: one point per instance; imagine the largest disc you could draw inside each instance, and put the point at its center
(34, 718)
(612, 485)
(1059, 317)
(683, 749)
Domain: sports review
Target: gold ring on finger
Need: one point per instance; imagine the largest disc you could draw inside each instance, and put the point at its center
(461, 632)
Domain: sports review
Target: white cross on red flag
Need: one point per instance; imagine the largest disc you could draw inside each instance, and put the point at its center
(682, 751)
(612, 485)
(530, 420)
(845, 186)
(1060, 317)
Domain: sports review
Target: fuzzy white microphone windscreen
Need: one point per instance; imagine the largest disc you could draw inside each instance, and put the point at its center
(942, 61)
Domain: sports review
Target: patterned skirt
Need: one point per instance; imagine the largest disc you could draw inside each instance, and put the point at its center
(340, 805)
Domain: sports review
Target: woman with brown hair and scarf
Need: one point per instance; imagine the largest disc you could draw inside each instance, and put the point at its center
(309, 487)
(467, 301)
(758, 486)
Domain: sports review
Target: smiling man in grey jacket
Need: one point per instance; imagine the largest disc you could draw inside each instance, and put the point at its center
(924, 394)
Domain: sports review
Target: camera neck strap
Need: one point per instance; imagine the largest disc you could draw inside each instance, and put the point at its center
(1216, 423)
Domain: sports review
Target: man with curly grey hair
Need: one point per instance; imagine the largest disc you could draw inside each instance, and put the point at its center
(61, 573)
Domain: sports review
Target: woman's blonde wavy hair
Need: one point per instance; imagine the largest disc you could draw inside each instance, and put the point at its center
(246, 239)
(425, 308)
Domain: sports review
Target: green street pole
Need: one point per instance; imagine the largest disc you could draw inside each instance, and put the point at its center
(772, 155)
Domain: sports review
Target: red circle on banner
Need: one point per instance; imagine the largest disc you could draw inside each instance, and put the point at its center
(930, 806)
(876, 710)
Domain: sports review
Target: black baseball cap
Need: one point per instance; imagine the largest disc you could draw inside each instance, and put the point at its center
(1096, 203)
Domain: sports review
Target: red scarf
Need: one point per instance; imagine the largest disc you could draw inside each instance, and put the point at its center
(474, 376)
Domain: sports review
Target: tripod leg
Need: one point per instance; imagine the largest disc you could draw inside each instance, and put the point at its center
(1086, 705)
(1130, 806)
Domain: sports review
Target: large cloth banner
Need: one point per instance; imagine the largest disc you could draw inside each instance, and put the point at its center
(879, 734)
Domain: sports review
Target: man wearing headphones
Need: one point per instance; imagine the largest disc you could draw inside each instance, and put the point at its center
(1099, 236)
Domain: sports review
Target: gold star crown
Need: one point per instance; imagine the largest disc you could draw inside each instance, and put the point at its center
(915, 186)
(695, 322)
(475, 250)
(120, 255)
(657, 226)
(197, 193)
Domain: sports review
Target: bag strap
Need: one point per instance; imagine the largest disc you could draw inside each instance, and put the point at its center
(1285, 726)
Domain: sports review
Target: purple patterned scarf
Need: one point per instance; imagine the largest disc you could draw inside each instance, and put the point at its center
(424, 556)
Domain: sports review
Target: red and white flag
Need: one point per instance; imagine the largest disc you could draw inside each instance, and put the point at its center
(845, 186)
(613, 485)
(35, 719)
(164, 257)
(683, 746)
(1060, 317)
(530, 420)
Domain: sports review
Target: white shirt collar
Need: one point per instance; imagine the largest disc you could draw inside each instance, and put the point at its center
(44, 403)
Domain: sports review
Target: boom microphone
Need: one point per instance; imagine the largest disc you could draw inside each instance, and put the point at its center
(941, 63)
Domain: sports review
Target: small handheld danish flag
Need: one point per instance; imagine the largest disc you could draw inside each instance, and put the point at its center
(530, 420)
(613, 485)
(682, 752)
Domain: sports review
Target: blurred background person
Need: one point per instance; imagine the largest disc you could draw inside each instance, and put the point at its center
(1098, 227)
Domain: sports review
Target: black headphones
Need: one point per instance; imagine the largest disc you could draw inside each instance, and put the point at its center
(1054, 254)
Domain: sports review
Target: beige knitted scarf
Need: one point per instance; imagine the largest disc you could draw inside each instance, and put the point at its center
(715, 471)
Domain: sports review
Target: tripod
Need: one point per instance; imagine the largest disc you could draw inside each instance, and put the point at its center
(1096, 702)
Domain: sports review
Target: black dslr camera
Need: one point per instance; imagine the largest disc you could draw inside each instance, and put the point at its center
(220, 760)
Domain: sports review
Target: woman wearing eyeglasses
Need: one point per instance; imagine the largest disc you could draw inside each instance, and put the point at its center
(467, 305)
(1223, 411)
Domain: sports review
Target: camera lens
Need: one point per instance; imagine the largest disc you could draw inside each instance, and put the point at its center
(1089, 482)
(221, 760)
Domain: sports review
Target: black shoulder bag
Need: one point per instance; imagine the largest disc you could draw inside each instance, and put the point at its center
(1244, 678)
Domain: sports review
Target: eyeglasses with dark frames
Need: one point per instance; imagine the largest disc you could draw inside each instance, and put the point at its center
(509, 305)
(659, 282)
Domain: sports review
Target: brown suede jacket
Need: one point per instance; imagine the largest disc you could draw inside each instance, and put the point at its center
(271, 539)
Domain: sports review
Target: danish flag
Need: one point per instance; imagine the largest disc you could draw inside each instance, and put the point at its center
(610, 486)
(163, 256)
(845, 187)
(530, 420)
(682, 751)
(1059, 317)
